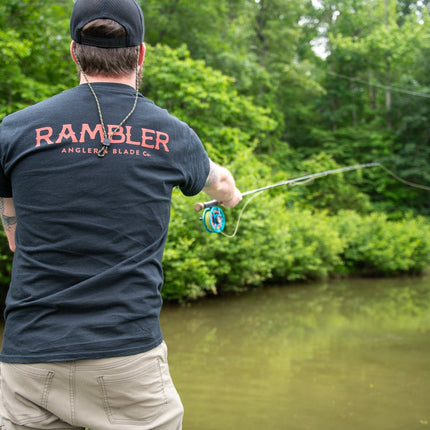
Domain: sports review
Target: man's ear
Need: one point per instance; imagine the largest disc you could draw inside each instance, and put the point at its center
(142, 50)
(72, 52)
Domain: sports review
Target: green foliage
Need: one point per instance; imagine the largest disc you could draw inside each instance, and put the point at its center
(376, 246)
(226, 121)
(276, 242)
(212, 262)
(34, 47)
(289, 245)
(244, 75)
(310, 248)
(12, 51)
(376, 100)
(187, 276)
(333, 192)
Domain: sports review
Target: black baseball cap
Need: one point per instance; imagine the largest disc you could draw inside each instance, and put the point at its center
(125, 12)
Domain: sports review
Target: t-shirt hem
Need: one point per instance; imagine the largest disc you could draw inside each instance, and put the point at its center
(82, 355)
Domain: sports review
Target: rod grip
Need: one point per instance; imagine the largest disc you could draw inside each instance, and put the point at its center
(203, 205)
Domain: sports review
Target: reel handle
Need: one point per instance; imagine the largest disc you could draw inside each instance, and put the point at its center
(203, 205)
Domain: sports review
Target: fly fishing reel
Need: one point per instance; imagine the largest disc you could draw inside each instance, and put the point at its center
(213, 219)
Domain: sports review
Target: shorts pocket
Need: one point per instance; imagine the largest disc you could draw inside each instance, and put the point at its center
(25, 392)
(134, 397)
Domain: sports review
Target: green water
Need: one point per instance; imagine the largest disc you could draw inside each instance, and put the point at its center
(348, 355)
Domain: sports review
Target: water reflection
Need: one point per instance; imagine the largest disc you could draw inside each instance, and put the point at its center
(340, 355)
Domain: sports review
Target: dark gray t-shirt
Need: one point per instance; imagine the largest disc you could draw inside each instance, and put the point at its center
(87, 274)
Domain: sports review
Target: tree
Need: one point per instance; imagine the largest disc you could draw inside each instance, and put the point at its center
(34, 48)
(206, 99)
(374, 86)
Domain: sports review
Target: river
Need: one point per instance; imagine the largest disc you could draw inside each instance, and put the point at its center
(338, 355)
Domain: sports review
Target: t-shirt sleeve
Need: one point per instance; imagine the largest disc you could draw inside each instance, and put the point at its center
(196, 166)
(5, 184)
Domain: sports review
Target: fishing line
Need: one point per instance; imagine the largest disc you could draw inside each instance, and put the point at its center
(214, 219)
(377, 85)
(240, 216)
(398, 178)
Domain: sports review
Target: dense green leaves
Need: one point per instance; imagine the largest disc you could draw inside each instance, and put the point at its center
(375, 245)
(34, 43)
(226, 121)
(244, 74)
(276, 244)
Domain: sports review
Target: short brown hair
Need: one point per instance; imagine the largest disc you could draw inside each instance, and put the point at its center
(106, 62)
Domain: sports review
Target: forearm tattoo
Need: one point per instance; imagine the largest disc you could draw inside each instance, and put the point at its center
(212, 178)
(9, 222)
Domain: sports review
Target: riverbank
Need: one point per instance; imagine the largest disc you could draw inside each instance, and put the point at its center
(301, 245)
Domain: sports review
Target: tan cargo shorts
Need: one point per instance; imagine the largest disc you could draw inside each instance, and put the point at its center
(132, 392)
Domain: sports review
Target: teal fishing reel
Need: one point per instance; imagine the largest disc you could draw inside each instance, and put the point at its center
(213, 219)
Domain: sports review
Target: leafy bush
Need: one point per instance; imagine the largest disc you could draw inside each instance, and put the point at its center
(314, 246)
(333, 192)
(377, 246)
(226, 121)
(282, 245)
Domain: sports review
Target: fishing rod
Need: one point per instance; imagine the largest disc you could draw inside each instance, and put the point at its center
(203, 205)
(214, 219)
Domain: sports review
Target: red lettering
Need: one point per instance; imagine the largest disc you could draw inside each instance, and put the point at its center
(66, 133)
(92, 133)
(131, 142)
(162, 138)
(145, 137)
(120, 133)
(47, 133)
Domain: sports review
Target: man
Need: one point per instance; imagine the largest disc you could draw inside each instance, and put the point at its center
(86, 179)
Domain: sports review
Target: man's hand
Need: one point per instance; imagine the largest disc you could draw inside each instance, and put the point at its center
(237, 198)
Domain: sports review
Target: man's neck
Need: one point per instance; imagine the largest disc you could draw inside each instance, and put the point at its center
(126, 80)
